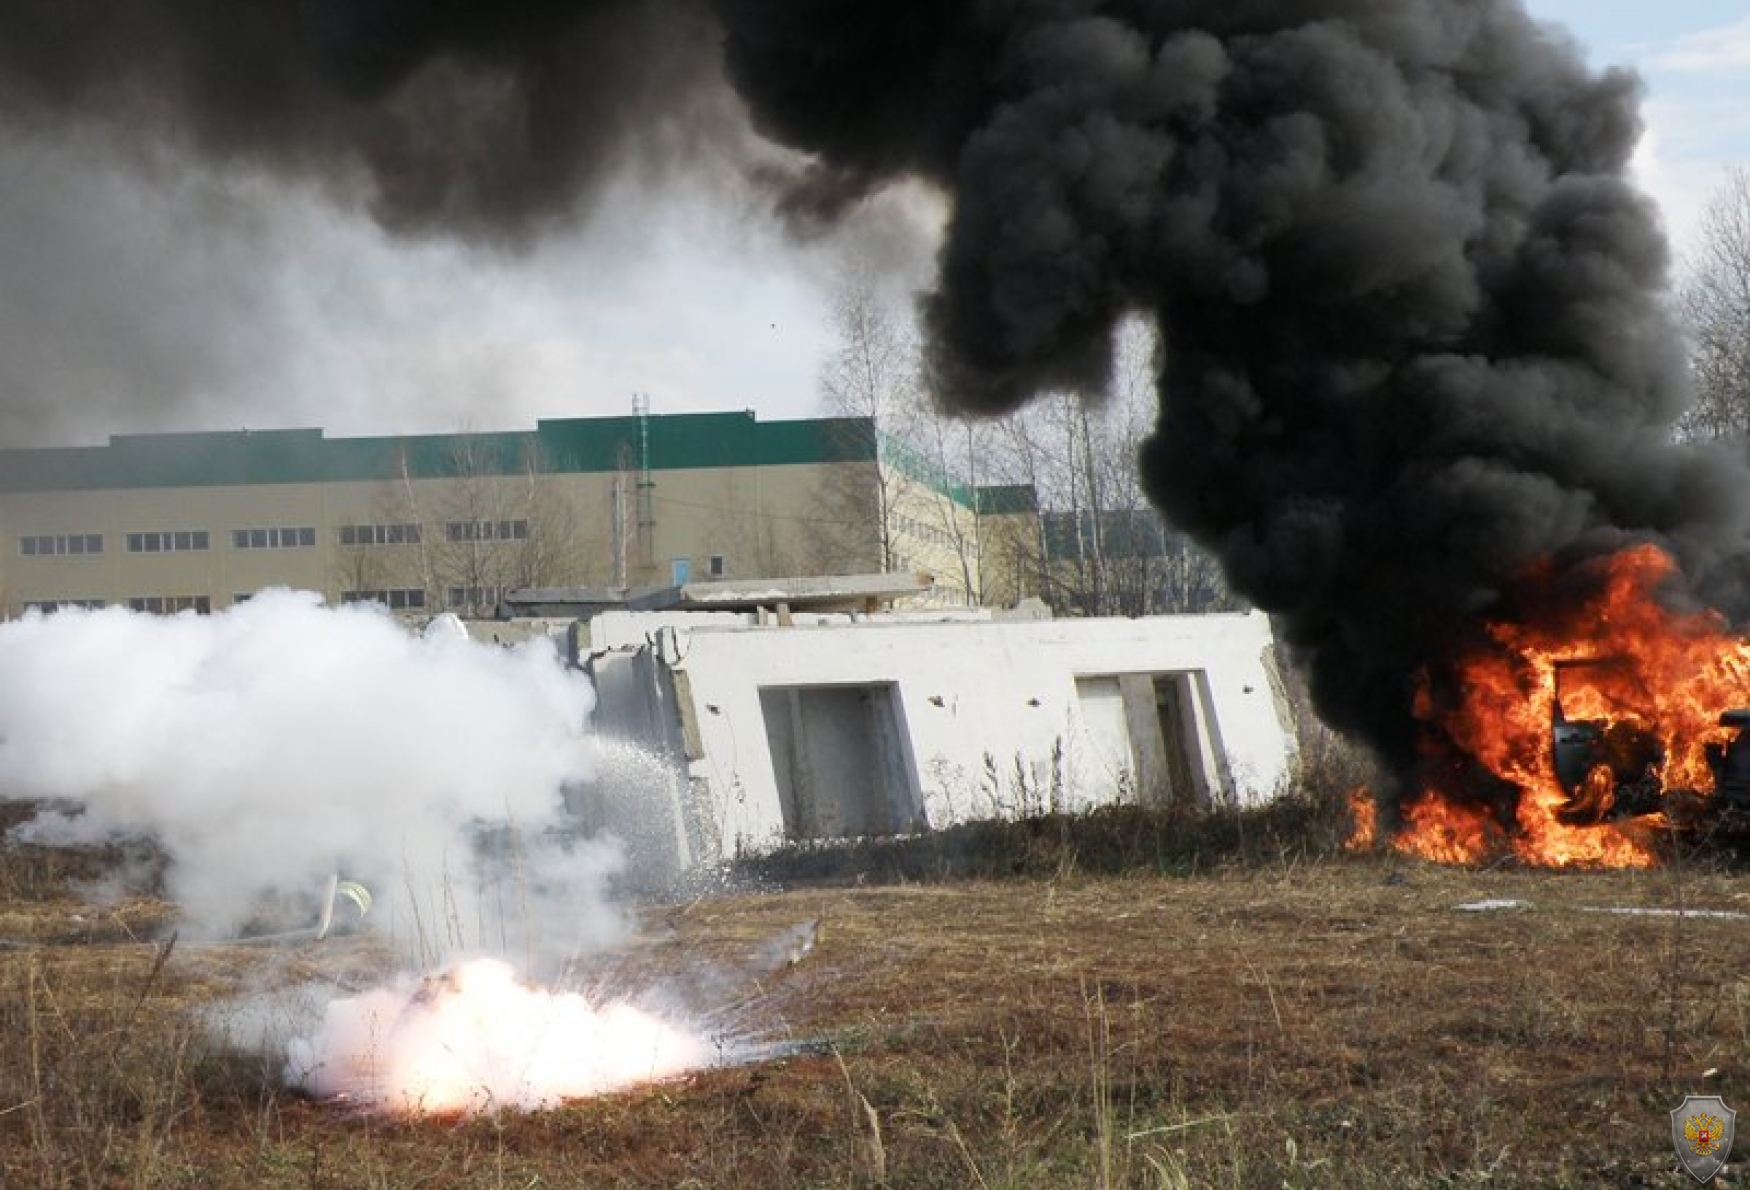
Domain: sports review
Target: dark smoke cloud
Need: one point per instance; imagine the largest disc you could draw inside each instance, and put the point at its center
(494, 120)
(1410, 305)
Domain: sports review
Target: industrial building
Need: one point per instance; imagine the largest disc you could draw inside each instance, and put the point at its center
(456, 522)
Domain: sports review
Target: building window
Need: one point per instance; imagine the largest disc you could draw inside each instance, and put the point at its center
(167, 541)
(379, 534)
(59, 544)
(930, 534)
(169, 605)
(273, 539)
(714, 567)
(399, 599)
(486, 530)
(48, 606)
(461, 597)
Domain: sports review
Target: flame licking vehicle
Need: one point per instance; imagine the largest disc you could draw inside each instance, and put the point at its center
(1610, 768)
(1606, 710)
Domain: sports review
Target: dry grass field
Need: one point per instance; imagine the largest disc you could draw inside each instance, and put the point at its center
(1259, 1015)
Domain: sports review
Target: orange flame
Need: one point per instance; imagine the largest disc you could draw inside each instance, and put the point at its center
(1364, 814)
(1446, 832)
(1666, 672)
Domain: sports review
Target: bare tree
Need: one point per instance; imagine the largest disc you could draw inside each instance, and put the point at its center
(871, 374)
(363, 565)
(495, 530)
(1009, 546)
(1715, 305)
(832, 534)
(923, 492)
(1070, 451)
(1098, 547)
(955, 452)
(551, 552)
(1021, 459)
(1091, 544)
(388, 553)
(1034, 454)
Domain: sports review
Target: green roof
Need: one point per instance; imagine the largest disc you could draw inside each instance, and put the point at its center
(911, 463)
(1007, 499)
(557, 446)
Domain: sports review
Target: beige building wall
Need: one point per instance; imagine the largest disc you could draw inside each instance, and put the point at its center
(1009, 559)
(934, 532)
(594, 529)
(114, 574)
(766, 522)
(589, 502)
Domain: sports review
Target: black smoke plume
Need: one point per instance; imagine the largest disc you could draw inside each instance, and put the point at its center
(1410, 305)
(1409, 302)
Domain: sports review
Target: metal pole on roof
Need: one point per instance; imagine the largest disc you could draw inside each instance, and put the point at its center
(646, 483)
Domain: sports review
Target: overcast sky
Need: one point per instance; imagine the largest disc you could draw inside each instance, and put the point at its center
(140, 291)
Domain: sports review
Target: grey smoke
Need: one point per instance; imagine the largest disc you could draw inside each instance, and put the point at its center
(385, 216)
(1410, 303)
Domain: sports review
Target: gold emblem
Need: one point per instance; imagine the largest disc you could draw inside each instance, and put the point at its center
(1703, 1132)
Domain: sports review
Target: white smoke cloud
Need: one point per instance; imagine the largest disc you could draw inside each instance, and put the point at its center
(270, 746)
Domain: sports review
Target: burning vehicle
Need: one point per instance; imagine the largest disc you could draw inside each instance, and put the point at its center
(1611, 768)
(1606, 714)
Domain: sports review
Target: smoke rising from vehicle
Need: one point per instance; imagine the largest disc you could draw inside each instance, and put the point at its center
(268, 747)
(1409, 302)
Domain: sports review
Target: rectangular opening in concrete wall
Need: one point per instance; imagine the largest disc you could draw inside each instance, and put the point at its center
(1145, 736)
(1176, 719)
(841, 761)
(1110, 769)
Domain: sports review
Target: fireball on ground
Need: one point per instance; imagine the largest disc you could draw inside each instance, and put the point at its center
(475, 1038)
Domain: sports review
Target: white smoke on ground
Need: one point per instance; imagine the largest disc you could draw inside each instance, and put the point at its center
(280, 746)
(275, 744)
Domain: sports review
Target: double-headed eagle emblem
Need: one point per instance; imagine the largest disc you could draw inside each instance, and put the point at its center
(1703, 1133)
